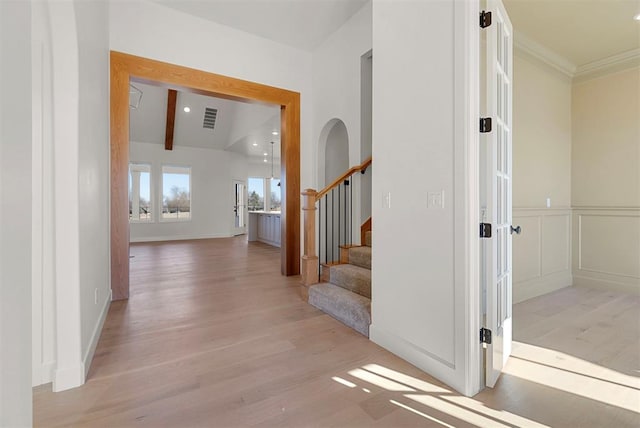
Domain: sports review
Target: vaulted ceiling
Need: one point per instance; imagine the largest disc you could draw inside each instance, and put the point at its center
(237, 128)
(303, 24)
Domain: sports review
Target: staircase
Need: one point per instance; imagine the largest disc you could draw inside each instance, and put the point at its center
(346, 292)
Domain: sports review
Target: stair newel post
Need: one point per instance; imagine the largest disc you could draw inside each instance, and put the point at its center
(309, 257)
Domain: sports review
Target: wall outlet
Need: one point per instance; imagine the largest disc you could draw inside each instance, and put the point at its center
(95, 296)
(548, 202)
(435, 199)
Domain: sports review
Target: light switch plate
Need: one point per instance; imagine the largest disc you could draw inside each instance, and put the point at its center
(386, 200)
(435, 199)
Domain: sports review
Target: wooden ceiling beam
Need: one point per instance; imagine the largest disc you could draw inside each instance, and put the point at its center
(172, 99)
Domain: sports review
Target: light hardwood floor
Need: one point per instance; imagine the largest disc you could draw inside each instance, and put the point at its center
(213, 336)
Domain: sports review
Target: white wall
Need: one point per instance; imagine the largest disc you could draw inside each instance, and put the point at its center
(153, 31)
(15, 214)
(606, 181)
(336, 155)
(541, 170)
(258, 168)
(93, 172)
(212, 192)
(336, 84)
(43, 260)
(336, 89)
(421, 272)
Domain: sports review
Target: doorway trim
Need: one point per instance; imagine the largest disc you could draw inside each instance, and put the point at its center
(125, 67)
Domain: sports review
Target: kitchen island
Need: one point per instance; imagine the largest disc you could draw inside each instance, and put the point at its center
(264, 226)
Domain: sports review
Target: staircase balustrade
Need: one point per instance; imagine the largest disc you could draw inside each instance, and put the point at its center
(333, 208)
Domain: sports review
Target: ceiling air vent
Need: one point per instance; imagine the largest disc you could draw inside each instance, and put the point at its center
(210, 115)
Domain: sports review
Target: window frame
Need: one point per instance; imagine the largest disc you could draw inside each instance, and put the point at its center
(149, 166)
(178, 170)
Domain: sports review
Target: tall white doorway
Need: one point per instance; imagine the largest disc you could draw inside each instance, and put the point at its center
(240, 208)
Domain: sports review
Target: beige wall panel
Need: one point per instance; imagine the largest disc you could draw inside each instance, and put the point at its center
(606, 141)
(526, 249)
(609, 244)
(541, 135)
(556, 244)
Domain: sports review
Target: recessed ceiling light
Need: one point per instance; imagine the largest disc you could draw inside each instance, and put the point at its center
(187, 109)
(255, 144)
(265, 153)
(275, 132)
(264, 160)
(637, 17)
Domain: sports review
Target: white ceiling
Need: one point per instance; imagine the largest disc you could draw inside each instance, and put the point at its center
(238, 125)
(303, 24)
(581, 31)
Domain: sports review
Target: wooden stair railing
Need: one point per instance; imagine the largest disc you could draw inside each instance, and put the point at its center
(310, 199)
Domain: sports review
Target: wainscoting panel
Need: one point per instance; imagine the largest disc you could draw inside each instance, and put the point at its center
(556, 243)
(607, 248)
(527, 249)
(542, 252)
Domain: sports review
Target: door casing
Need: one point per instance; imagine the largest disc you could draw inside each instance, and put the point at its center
(125, 68)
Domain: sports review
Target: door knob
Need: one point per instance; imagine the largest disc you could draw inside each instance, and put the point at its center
(516, 230)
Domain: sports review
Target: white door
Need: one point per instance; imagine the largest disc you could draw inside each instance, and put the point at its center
(240, 213)
(497, 192)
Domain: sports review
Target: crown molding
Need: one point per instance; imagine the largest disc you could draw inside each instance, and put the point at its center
(612, 64)
(543, 54)
(591, 70)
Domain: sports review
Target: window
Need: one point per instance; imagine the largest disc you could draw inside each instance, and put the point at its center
(140, 193)
(176, 193)
(256, 194)
(276, 196)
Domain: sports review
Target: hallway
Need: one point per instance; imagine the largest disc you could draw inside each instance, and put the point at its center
(213, 336)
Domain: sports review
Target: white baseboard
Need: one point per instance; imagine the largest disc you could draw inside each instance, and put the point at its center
(535, 287)
(48, 371)
(43, 373)
(68, 377)
(604, 283)
(179, 237)
(418, 357)
(95, 336)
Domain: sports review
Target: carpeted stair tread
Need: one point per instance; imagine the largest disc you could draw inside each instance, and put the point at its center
(349, 308)
(360, 256)
(352, 278)
(367, 238)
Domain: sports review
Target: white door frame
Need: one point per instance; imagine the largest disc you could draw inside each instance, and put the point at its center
(235, 231)
(467, 102)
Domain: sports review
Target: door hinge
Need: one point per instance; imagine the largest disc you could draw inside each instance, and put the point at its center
(485, 336)
(485, 19)
(485, 230)
(485, 124)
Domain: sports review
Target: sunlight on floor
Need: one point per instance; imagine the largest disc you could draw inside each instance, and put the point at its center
(430, 401)
(570, 374)
(424, 415)
(541, 366)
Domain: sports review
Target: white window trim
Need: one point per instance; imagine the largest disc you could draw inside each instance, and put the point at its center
(144, 167)
(174, 169)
